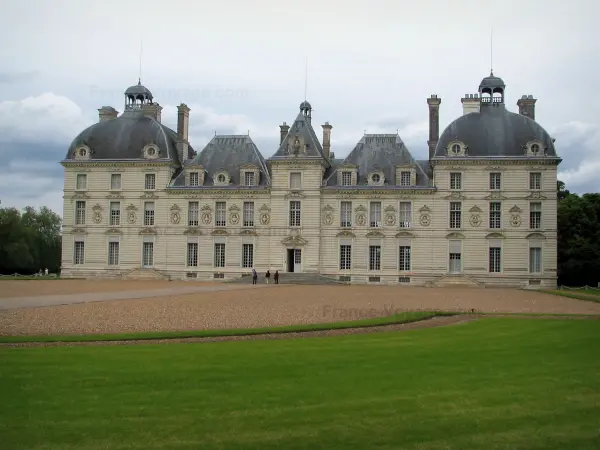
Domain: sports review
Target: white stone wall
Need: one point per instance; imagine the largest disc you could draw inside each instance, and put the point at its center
(319, 234)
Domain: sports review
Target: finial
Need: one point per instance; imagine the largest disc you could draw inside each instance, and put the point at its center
(140, 73)
(248, 132)
(305, 76)
(491, 52)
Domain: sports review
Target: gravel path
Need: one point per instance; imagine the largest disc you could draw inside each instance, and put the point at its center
(249, 306)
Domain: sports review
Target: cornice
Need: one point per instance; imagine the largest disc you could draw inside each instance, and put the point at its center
(203, 192)
(402, 191)
(109, 163)
(496, 162)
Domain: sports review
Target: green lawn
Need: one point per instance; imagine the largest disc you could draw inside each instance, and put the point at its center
(589, 295)
(505, 383)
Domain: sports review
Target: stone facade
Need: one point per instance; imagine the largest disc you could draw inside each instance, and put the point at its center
(458, 217)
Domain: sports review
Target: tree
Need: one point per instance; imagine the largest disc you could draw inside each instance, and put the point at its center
(30, 241)
(578, 238)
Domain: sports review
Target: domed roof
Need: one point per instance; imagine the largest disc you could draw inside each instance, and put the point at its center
(305, 105)
(125, 137)
(494, 131)
(139, 89)
(491, 82)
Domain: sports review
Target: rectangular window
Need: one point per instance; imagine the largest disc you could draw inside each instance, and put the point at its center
(495, 181)
(248, 219)
(455, 214)
(535, 215)
(535, 260)
(248, 178)
(192, 254)
(115, 213)
(150, 182)
(148, 254)
(115, 181)
(495, 259)
(455, 181)
(345, 214)
(346, 178)
(345, 257)
(80, 212)
(193, 214)
(149, 214)
(455, 256)
(247, 256)
(405, 215)
(194, 179)
(535, 181)
(375, 214)
(79, 253)
(219, 255)
(495, 215)
(81, 181)
(405, 178)
(113, 253)
(404, 257)
(295, 213)
(220, 214)
(295, 180)
(374, 257)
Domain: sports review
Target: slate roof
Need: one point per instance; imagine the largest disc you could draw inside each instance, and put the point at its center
(494, 132)
(228, 153)
(125, 137)
(491, 82)
(301, 127)
(380, 152)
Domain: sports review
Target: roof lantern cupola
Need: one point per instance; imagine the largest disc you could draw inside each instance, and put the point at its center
(491, 90)
(306, 109)
(136, 96)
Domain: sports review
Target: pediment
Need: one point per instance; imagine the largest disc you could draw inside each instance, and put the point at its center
(78, 231)
(328, 208)
(113, 231)
(81, 195)
(248, 233)
(455, 235)
(194, 166)
(206, 208)
(193, 231)
(295, 194)
(360, 208)
(115, 195)
(390, 208)
(455, 196)
(97, 207)
(148, 231)
(425, 208)
(495, 196)
(249, 166)
(345, 234)
(347, 166)
(294, 240)
(175, 208)
(132, 207)
(375, 234)
(219, 232)
(535, 196)
(405, 234)
(234, 207)
(515, 209)
(494, 236)
(265, 208)
(475, 209)
(147, 195)
(535, 236)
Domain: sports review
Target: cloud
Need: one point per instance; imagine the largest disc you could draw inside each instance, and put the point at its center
(17, 77)
(578, 144)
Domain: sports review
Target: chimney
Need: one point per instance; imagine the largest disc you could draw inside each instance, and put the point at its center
(434, 123)
(471, 103)
(327, 140)
(152, 110)
(183, 120)
(526, 106)
(107, 113)
(283, 132)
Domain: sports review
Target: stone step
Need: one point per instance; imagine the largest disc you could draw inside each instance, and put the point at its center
(290, 278)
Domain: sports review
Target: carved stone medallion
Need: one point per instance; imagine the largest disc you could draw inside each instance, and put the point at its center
(425, 220)
(475, 220)
(234, 218)
(390, 220)
(515, 221)
(206, 218)
(131, 217)
(175, 217)
(97, 217)
(265, 218)
(327, 219)
(361, 219)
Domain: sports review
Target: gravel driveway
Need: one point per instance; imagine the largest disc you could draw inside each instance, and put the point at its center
(255, 306)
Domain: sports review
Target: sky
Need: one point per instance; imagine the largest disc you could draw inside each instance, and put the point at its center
(243, 67)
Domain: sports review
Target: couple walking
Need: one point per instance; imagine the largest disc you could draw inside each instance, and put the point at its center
(267, 276)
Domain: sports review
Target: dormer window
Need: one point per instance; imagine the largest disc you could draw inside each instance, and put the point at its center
(81, 181)
(82, 152)
(456, 148)
(249, 179)
(150, 151)
(221, 179)
(376, 179)
(194, 179)
(405, 178)
(346, 178)
(534, 148)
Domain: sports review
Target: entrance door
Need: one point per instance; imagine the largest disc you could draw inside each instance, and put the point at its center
(294, 259)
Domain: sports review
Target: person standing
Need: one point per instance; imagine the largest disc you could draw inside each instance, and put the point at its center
(267, 276)
(254, 276)
(276, 277)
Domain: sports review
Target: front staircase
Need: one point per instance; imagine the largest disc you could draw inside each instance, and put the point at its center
(144, 274)
(455, 281)
(290, 278)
